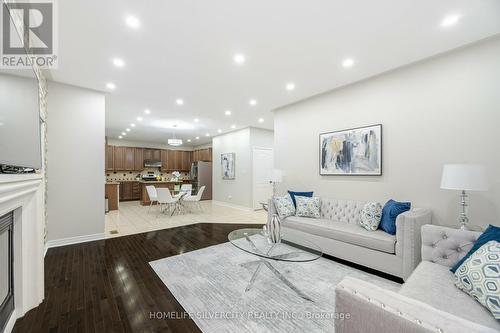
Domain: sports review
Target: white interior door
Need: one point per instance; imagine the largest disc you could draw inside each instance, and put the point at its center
(263, 162)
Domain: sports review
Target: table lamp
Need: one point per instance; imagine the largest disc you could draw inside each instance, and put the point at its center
(464, 177)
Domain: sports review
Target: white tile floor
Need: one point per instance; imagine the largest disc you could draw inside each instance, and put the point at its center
(132, 218)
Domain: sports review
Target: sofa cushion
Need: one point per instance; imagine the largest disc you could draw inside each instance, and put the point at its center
(390, 213)
(434, 284)
(347, 211)
(307, 207)
(479, 277)
(370, 216)
(284, 206)
(294, 194)
(344, 232)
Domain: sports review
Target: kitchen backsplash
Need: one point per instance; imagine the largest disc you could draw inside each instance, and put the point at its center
(132, 175)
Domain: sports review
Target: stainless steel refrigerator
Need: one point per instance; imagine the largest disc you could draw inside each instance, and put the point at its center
(201, 175)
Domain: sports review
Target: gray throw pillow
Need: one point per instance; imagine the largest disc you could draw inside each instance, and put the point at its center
(284, 206)
(370, 216)
(308, 207)
(479, 276)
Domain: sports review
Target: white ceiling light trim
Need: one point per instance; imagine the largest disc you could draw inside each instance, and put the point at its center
(147, 111)
(132, 21)
(348, 62)
(219, 131)
(227, 112)
(127, 129)
(179, 101)
(123, 133)
(110, 86)
(450, 20)
(252, 102)
(261, 120)
(239, 59)
(132, 125)
(196, 120)
(290, 86)
(118, 62)
(140, 119)
(233, 126)
(120, 137)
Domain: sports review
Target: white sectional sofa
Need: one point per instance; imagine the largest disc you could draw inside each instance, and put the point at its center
(427, 302)
(339, 234)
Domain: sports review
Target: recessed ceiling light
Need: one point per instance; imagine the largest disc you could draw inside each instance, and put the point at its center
(132, 21)
(196, 120)
(147, 111)
(120, 137)
(252, 102)
(261, 120)
(188, 140)
(290, 86)
(127, 129)
(233, 126)
(450, 20)
(132, 125)
(139, 118)
(197, 138)
(118, 62)
(219, 131)
(179, 101)
(110, 86)
(239, 59)
(207, 134)
(349, 62)
(227, 112)
(123, 133)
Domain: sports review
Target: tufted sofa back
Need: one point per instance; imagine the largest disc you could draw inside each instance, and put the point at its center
(346, 211)
(446, 246)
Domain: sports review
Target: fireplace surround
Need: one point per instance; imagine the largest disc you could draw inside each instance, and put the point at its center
(7, 265)
(21, 196)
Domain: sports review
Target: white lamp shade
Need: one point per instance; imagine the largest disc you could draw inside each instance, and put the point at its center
(276, 176)
(470, 177)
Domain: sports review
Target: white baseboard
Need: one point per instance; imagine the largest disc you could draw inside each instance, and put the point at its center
(74, 240)
(230, 205)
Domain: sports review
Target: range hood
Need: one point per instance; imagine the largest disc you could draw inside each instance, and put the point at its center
(152, 164)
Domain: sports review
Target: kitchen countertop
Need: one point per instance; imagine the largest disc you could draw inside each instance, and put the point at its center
(163, 181)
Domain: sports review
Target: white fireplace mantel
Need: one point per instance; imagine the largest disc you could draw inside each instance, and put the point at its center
(23, 194)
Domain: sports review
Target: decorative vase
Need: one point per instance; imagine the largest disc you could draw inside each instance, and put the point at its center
(273, 229)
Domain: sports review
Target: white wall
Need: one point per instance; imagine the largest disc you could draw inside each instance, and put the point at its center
(444, 110)
(75, 156)
(237, 192)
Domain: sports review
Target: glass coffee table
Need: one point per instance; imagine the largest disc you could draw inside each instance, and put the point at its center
(255, 242)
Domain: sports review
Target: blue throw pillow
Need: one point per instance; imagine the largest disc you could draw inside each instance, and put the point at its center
(490, 234)
(299, 194)
(390, 212)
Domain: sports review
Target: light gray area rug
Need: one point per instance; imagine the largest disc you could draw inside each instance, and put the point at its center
(210, 285)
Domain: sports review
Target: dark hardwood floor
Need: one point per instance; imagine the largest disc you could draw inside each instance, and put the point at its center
(108, 285)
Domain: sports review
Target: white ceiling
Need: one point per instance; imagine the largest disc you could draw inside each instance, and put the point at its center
(184, 49)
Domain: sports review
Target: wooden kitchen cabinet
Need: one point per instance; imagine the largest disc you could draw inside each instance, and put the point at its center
(186, 160)
(139, 159)
(203, 155)
(152, 154)
(119, 158)
(130, 190)
(129, 159)
(110, 158)
(164, 160)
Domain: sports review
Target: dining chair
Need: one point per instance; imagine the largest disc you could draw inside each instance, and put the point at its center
(195, 199)
(165, 198)
(153, 196)
(187, 188)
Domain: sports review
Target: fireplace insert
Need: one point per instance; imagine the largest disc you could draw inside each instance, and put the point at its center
(6, 271)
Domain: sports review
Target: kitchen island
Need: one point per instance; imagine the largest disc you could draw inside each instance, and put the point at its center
(158, 184)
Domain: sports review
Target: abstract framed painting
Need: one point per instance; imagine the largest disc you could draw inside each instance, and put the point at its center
(227, 165)
(352, 152)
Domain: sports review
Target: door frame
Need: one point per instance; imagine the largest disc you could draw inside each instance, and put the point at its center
(253, 173)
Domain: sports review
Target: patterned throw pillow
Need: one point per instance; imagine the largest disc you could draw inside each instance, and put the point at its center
(370, 216)
(308, 207)
(479, 276)
(284, 206)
